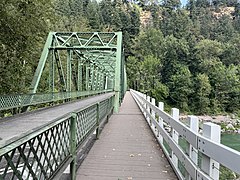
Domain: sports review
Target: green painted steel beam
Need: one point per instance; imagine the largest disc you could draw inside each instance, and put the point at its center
(118, 72)
(41, 64)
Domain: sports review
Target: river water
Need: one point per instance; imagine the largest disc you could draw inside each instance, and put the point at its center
(231, 140)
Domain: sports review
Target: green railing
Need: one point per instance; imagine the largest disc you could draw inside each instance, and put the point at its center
(46, 152)
(21, 100)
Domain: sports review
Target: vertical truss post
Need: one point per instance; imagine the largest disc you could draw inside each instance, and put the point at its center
(91, 83)
(101, 81)
(106, 83)
(125, 80)
(92, 77)
(87, 77)
(79, 82)
(97, 79)
(60, 70)
(69, 70)
(51, 71)
(117, 87)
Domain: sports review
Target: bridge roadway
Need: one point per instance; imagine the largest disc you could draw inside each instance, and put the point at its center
(126, 150)
(13, 128)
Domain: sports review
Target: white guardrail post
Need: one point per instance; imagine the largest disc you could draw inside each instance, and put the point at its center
(145, 105)
(193, 123)
(148, 110)
(154, 129)
(160, 121)
(175, 115)
(210, 166)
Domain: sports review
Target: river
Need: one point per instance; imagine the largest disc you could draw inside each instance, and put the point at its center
(231, 140)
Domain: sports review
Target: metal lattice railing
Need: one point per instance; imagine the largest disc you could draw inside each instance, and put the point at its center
(21, 100)
(39, 157)
(45, 153)
(86, 121)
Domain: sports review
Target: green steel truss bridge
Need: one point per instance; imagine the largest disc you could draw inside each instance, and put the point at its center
(82, 77)
(74, 65)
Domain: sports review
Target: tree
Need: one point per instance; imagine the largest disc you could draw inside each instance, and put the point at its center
(150, 72)
(94, 16)
(24, 26)
(203, 3)
(175, 51)
(201, 98)
(231, 51)
(135, 21)
(223, 29)
(176, 23)
(149, 43)
(191, 6)
(71, 13)
(133, 72)
(171, 4)
(180, 87)
(236, 22)
(206, 51)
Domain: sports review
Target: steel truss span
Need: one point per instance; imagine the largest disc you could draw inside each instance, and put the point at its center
(72, 65)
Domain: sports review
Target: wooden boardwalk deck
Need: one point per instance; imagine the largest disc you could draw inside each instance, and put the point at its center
(126, 150)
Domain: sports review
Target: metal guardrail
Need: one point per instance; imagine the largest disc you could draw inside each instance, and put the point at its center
(203, 153)
(21, 100)
(46, 152)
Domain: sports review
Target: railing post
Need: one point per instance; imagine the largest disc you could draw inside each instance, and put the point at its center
(175, 115)
(73, 145)
(161, 107)
(97, 118)
(192, 152)
(210, 166)
(145, 106)
(154, 117)
(148, 110)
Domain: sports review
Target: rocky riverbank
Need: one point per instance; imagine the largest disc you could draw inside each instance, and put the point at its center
(229, 124)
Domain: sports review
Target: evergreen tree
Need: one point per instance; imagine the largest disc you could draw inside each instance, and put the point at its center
(171, 4)
(180, 87)
(94, 16)
(201, 98)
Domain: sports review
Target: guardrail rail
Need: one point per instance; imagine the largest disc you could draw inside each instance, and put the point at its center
(203, 153)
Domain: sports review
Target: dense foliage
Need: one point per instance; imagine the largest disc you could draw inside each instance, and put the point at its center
(187, 56)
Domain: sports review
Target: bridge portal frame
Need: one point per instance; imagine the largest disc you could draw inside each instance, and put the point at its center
(100, 49)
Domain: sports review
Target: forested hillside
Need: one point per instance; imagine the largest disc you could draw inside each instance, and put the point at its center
(187, 56)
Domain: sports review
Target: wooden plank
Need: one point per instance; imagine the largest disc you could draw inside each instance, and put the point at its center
(126, 149)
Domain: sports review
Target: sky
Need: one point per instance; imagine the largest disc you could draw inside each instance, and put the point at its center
(184, 2)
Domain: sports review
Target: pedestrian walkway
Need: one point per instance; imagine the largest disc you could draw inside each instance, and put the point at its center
(126, 150)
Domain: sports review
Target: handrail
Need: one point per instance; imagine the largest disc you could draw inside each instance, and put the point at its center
(213, 153)
(21, 100)
(46, 152)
